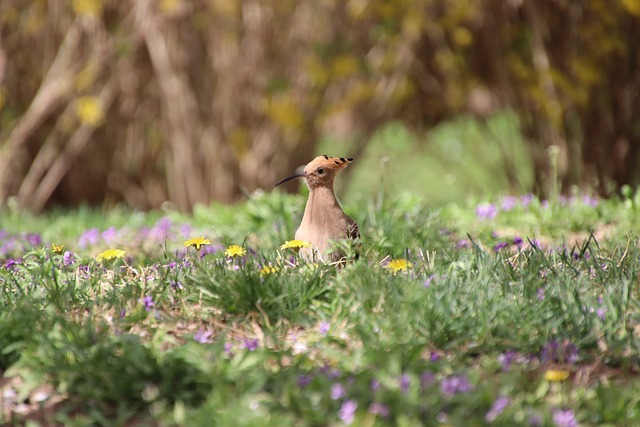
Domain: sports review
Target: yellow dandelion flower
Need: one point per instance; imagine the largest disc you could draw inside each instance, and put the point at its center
(398, 265)
(268, 269)
(110, 254)
(87, 7)
(556, 375)
(89, 110)
(57, 249)
(295, 244)
(169, 6)
(235, 250)
(197, 242)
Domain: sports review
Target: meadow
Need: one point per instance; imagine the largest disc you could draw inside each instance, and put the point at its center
(503, 312)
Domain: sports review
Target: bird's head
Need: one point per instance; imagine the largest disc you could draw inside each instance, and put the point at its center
(320, 171)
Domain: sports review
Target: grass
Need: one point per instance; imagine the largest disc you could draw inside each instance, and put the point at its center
(449, 163)
(528, 317)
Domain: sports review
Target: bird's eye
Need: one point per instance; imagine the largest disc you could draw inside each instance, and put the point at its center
(320, 171)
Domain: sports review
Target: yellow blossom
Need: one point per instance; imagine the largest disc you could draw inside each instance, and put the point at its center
(235, 250)
(295, 244)
(110, 254)
(197, 242)
(169, 6)
(87, 7)
(556, 375)
(268, 269)
(89, 110)
(57, 249)
(398, 265)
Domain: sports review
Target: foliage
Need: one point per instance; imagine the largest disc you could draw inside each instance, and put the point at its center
(526, 313)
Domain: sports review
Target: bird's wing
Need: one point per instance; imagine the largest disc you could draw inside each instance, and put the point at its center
(352, 230)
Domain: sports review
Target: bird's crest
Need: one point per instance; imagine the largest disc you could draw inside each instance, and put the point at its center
(327, 162)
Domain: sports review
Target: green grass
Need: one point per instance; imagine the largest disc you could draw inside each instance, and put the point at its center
(175, 336)
(449, 163)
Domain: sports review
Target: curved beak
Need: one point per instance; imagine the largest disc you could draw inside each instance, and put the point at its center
(295, 175)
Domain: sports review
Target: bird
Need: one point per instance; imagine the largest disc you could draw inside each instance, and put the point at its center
(323, 222)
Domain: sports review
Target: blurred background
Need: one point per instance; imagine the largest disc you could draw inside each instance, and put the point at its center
(149, 101)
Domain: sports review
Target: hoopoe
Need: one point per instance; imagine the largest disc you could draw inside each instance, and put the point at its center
(324, 220)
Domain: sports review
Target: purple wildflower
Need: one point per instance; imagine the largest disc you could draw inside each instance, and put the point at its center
(499, 405)
(566, 418)
(601, 312)
(455, 384)
(486, 211)
(428, 281)
(505, 359)
(304, 380)
(463, 243)
(508, 203)
(148, 302)
(570, 352)
(337, 391)
(589, 201)
(109, 234)
(380, 409)
(540, 294)
(123, 313)
(34, 239)
(227, 348)
(89, 238)
(250, 345)
(8, 246)
(11, 263)
(348, 411)
(526, 199)
(176, 285)
(333, 373)
(68, 258)
(161, 231)
(518, 241)
(324, 328)
(434, 357)
(499, 246)
(185, 230)
(203, 336)
(405, 382)
(375, 385)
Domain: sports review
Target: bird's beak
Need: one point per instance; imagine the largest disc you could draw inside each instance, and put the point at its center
(295, 175)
